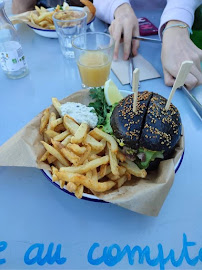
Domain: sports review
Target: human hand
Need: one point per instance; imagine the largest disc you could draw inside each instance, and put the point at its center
(176, 48)
(125, 23)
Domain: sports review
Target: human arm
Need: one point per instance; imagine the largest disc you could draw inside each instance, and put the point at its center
(177, 45)
(20, 6)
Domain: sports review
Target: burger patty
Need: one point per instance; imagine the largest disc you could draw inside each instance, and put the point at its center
(150, 127)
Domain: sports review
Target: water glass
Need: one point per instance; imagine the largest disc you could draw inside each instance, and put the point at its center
(94, 54)
(69, 24)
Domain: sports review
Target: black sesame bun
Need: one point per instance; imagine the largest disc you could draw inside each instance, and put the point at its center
(126, 124)
(151, 127)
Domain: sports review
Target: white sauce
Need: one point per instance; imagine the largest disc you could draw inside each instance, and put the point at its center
(80, 113)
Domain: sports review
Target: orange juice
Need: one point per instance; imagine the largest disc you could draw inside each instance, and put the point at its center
(94, 68)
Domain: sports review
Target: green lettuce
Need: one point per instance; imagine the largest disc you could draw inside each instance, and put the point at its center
(150, 156)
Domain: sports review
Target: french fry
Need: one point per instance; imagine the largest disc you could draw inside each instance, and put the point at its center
(44, 156)
(66, 140)
(70, 124)
(106, 172)
(71, 187)
(51, 159)
(121, 181)
(113, 161)
(57, 105)
(133, 169)
(92, 157)
(103, 170)
(51, 133)
(85, 155)
(89, 174)
(44, 120)
(60, 128)
(121, 156)
(86, 167)
(71, 156)
(122, 170)
(94, 175)
(54, 176)
(57, 164)
(78, 150)
(55, 153)
(55, 123)
(113, 177)
(94, 143)
(79, 192)
(100, 149)
(80, 134)
(107, 137)
(52, 117)
(60, 137)
(83, 180)
(62, 183)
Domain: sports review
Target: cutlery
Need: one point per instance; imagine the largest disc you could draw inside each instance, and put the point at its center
(194, 101)
(147, 39)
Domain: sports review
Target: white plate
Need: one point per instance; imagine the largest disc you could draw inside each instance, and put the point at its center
(52, 33)
(89, 196)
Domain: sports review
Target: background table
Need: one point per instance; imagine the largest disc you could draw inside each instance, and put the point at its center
(32, 210)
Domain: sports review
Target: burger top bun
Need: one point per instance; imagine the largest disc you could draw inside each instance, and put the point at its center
(151, 126)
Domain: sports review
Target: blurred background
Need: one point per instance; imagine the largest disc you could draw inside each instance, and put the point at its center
(8, 6)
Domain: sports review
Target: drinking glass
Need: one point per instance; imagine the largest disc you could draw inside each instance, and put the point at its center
(69, 24)
(93, 54)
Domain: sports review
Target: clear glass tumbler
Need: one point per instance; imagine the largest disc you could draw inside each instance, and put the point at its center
(69, 24)
(94, 54)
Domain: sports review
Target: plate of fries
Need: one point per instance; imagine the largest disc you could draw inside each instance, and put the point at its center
(40, 19)
(84, 162)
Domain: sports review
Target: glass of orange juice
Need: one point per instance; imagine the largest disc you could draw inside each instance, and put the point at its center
(93, 53)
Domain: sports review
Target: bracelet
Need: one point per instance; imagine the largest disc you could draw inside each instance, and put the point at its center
(181, 25)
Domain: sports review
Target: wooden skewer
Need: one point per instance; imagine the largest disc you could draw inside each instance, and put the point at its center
(135, 87)
(180, 80)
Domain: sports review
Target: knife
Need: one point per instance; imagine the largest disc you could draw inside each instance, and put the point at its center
(194, 101)
(147, 39)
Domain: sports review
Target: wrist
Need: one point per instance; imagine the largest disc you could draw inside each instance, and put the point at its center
(122, 9)
(176, 28)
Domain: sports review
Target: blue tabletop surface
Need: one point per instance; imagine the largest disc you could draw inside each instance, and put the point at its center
(33, 211)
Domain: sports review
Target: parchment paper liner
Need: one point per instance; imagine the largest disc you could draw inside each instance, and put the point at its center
(145, 196)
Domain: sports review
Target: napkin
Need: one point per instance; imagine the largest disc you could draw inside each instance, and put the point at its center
(121, 68)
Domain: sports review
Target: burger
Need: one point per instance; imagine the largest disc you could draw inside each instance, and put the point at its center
(148, 135)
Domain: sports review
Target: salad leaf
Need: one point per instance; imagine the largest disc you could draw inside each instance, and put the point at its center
(150, 156)
(107, 127)
(102, 109)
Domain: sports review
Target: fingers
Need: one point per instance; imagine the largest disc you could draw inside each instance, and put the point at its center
(191, 81)
(115, 32)
(135, 43)
(194, 78)
(168, 78)
(127, 38)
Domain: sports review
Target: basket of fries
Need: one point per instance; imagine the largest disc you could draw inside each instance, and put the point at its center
(87, 162)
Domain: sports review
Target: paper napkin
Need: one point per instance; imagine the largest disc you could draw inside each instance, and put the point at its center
(121, 68)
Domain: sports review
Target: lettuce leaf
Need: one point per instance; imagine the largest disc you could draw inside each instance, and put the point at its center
(102, 109)
(150, 156)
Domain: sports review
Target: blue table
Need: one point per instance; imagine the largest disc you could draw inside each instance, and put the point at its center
(36, 217)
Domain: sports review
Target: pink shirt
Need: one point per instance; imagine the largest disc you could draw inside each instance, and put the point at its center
(182, 10)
